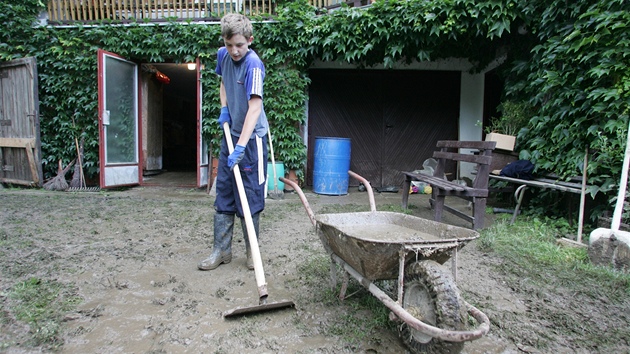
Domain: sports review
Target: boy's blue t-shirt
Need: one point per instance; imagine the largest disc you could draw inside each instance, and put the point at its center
(242, 79)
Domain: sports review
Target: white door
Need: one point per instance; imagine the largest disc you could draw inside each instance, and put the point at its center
(119, 145)
(203, 168)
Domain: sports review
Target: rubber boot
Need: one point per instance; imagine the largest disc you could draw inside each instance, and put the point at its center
(256, 220)
(222, 248)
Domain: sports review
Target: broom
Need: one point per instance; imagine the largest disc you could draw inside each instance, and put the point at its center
(59, 183)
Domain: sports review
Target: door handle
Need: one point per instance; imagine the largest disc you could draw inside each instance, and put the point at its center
(106, 117)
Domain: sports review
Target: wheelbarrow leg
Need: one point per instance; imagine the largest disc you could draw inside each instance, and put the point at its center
(344, 286)
(454, 264)
(401, 274)
(333, 275)
(333, 279)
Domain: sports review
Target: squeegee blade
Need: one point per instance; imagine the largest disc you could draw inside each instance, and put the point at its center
(259, 308)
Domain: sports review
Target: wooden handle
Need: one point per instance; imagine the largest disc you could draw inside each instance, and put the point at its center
(251, 231)
(273, 160)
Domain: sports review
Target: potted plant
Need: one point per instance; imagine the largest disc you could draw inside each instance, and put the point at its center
(505, 128)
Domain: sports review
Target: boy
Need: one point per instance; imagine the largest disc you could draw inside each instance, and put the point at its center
(241, 92)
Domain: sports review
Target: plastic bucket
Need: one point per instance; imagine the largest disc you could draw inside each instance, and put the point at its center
(331, 165)
(279, 173)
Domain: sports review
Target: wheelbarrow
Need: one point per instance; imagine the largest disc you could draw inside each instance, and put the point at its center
(379, 245)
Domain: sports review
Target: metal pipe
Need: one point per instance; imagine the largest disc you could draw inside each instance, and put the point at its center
(368, 187)
(297, 188)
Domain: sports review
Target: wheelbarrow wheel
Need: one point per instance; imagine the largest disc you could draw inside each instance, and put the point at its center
(431, 296)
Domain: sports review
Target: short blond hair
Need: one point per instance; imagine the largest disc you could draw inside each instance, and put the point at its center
(234, 24)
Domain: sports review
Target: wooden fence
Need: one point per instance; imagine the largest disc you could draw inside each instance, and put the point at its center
(69, 11)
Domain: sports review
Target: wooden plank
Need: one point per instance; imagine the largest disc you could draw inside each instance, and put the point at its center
(122, 13)
(66, 10)
(17, 142)
(31, 162)
(479, 159)
(83, 10)
(52, 10)
(17, 181)
(72, 10)
(115, 6)
(435, 181)
(100, 6)
(479, 145)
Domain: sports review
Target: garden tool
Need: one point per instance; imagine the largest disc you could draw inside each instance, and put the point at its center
(263, 305)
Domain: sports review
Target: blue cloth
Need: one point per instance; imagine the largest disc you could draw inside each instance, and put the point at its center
(236, 156)
(227, 200)
(522, 169)
(224, 117)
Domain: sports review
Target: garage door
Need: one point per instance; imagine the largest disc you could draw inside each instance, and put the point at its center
(393, 118)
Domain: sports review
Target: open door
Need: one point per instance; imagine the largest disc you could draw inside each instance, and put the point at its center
(118, 123)
(20, 145)
(203, 169)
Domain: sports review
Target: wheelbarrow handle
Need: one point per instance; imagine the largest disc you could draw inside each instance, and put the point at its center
(297, 188)
(309, 211)
(368, 187)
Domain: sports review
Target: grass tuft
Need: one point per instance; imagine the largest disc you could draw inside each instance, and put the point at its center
(41, 304)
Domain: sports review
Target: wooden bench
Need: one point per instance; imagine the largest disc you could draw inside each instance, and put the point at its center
(449, 150)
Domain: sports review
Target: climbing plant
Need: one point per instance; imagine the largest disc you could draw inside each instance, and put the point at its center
(578, 79)
(568, 60)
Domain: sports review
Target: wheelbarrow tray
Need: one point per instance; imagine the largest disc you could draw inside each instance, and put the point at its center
(371, 242)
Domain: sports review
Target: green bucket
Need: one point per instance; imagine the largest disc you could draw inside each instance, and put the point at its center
(279, 173)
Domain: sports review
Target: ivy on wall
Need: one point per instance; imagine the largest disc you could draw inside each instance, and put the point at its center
(577, 76)
(568, 60)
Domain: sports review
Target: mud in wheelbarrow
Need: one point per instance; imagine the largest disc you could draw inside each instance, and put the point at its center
(379, 245)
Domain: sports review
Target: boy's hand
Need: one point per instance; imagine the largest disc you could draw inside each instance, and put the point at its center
(225, 116)
(236, 156)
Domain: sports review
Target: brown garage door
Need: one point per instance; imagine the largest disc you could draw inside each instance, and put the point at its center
(393, 118)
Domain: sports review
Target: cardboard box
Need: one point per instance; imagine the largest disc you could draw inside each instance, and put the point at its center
(504, 142)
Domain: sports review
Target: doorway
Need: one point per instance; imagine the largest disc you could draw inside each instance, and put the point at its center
(169, 129)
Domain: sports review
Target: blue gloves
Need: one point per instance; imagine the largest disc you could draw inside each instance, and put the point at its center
(225, 116)
(236, 156)
(239, 150)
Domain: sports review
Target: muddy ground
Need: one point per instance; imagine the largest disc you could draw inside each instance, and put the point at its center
(132, 255)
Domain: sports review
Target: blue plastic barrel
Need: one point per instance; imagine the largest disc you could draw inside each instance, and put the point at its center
(331, 165)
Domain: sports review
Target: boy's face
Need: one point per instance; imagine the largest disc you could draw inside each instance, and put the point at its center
(237, 46)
